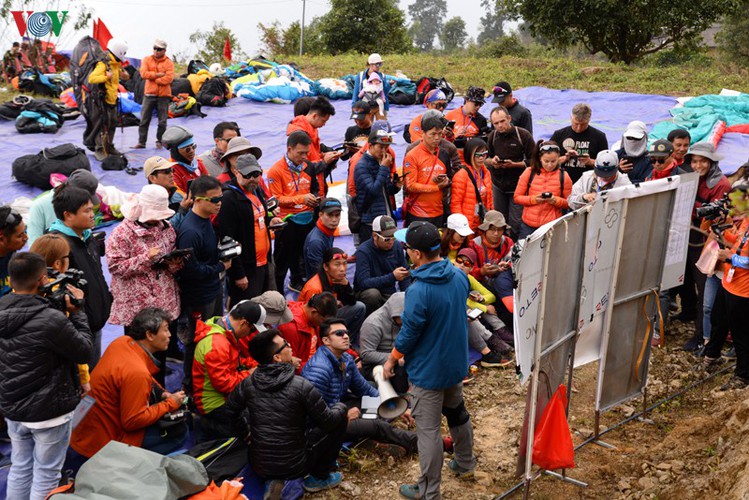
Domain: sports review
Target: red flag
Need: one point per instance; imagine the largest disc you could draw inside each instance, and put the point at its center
(102, 34)
(227, 49)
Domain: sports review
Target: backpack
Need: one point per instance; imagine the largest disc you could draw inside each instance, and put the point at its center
(40, 116)
(446, 88)
(212, 93)
(86, 55)
(196, 65)
(184, 105)
(223, 458)
(423, 86)
(35, 169)
(181, 86)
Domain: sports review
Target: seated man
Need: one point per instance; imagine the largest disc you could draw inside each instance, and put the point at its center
(279, 404)
(129, 402)
(322, 235)
(380, 266)
(377, 338)
(333, 372)
(302, 331)
(218, 366)
(604, 176)
(332, 278)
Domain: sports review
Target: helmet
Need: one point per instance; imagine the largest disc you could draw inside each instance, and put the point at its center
(476, 94)
(118, 48)
(215, 68)
(175, 135)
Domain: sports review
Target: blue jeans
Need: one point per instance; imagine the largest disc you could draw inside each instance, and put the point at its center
(712, 285)
(37, 456)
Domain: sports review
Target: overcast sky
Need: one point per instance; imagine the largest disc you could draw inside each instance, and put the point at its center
(140, 21)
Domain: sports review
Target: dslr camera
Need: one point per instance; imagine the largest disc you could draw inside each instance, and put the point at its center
(228, 248)
(715, 210)
(56, 289)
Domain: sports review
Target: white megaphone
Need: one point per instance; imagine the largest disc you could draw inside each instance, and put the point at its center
(391, 405)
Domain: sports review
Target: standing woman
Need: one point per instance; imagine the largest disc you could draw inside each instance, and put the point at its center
(374, 66)
(542, 189)
(473, 178)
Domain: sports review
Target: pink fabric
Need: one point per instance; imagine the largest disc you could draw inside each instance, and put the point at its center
(135, 284)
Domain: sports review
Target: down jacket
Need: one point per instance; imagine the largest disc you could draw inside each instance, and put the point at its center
(334, 377)
(538, 214)
(279, 404)
(378, 333)
(463, 197)
(374, 187)
(39, 349)
(161, 86)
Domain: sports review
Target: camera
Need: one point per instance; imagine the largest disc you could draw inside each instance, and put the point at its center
(715, 210)
(56, 289)
(228, 248)
(272, 203)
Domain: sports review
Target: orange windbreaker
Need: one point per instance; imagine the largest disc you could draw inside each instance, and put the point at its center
(423, 198)
(289, 188)
(536, 215)
(463, 194)
(160, 87)
(301, 123)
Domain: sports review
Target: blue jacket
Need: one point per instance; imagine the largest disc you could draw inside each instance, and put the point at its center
(199, 279)
(315, 244)
(642, 167)
(434, 335)
(373, 183)
(361, 77)
(325, 372)
(374, 268)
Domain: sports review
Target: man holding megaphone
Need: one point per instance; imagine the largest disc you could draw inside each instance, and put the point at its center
(333, 372)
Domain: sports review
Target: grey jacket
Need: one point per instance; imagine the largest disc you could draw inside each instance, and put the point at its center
(587, 184)
(377, 334)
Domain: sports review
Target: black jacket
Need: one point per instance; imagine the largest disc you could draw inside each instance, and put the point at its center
(39, 350)
(236, 220)
(85, 257)
(279, 405)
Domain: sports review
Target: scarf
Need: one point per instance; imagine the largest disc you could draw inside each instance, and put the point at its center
(327, 232)
(663, 173)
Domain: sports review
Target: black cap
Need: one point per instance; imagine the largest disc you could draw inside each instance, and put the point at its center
(328, 205)
(422, 236)
(360, 110)
(251, 312)
(661, 148)
(501, 89)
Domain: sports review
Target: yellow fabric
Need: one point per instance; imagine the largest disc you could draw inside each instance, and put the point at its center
(198, 79)
(111, 84)
(489, 297)
(83, 374)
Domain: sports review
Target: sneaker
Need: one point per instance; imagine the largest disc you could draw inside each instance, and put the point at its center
(458, 470)
(735, 382)
(410, 491)
(139, 146)
(447, 444)
(711, 365)
(273, 490)
(468, 379)
(692, 345)
(296, 287)
(730, 353)
(494, 360)
(312, 484)
(656, 340)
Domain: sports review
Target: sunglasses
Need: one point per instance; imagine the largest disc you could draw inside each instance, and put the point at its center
(658, 160)
(191, 147)
(166, 171)
(549, 147)
(386, 239)
(13, 219)
(158, 49)
(284, 346)
(338, 333)
(215, 200)
(251, 175)
(463, 262)
(440, 105)
(481, 155)
(378, 64)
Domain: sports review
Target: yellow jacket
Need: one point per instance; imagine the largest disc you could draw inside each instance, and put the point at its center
(489, 297)
(111, 84)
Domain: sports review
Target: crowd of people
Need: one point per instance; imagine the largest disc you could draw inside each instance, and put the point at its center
(27, 54)
(212, 245)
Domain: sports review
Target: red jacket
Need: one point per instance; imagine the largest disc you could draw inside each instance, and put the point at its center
(538, 214)
(182, 176)
(121, 386)
(303, 338)
(162, 86)
(463, 197)
(486, 253)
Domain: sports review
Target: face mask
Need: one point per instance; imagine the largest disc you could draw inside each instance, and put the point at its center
(635, 147)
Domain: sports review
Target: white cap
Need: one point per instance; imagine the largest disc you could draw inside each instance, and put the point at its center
(374, 59)
(459, 223)
(636, 129)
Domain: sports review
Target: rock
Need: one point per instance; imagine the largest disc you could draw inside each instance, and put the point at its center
(627, 411)
(646, 483)
(624, 485)
(675, 384)
(483, 478)
(351, 488)
(645, 466)
(391, 461)
(664, 466)
(677, 465)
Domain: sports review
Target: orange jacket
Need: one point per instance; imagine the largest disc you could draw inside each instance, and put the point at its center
(162, 86)
(289, 188)
(463, 195)
(739, 284)
(121, 386)
(414, 130)
(424, 197)
(538, 214)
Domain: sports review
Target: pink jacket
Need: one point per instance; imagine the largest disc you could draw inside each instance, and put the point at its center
(135, 283)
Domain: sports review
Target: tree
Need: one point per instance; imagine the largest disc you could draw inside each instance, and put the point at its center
(491, 23)
(364, 26)
(427, 19)
(733, 38)
(453, 35)
(211, 43)
(623, 32)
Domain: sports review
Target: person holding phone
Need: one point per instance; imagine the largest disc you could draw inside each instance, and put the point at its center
(579, 142)
(633, 155)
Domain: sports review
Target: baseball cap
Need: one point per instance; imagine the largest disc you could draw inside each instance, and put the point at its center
(459, 224)
(636, 129)
(607, 162)
(159, 43)
(251, 312)
(661, 148)
(156, 163)
(247, 164)
(384, 225)
(380, 137)
(501, 89)
(470, 253)
(493, 218)
(420, 235)
(360, 110)
(276, 307)
(329, 205)
(374, 59)
(84, 179)
(475, 94)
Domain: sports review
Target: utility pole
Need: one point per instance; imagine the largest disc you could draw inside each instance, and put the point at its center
(301, 33)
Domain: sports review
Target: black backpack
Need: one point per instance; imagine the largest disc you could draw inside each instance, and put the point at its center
(36, 169)
(212, 93)
(86, 55)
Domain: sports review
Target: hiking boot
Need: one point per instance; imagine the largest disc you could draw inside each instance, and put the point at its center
(494, 360)
(313, 484)
(468, 379)
(692, 345)
(273, 490)
(735, 382)
(410, 491)
(730, 353)
(139, 146)
(296, 287)
(712, 365)
(458, 470)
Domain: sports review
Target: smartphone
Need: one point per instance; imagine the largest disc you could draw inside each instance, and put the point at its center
(442, 177)
(280, 225)
(450, 124)
(396, 177)
(475, 314)
(546, 195)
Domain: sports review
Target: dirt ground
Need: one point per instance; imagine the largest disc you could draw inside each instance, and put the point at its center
(695, 446)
